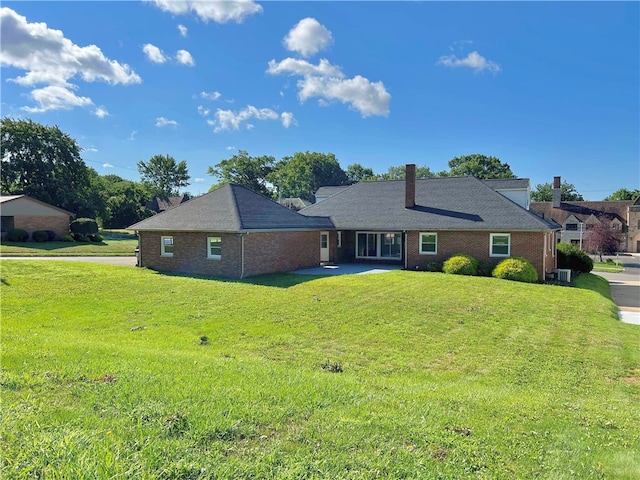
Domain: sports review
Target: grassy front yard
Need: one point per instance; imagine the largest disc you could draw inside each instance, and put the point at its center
(125, 372)
(109, 247)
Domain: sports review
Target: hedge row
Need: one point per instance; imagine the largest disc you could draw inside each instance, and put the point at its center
(514, 268)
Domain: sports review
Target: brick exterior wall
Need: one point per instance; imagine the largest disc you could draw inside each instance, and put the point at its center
(530, 245)
(31, 223)
(264, 252)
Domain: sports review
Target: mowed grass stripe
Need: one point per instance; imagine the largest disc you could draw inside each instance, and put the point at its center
(104, 370)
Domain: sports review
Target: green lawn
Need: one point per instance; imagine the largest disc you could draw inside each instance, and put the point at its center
(607, 267)
(109, 247)
(118, 372)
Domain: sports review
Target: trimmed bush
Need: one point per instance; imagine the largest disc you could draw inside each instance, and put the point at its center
(485, 269)
(96, 238)
(52, 235)
(461, 264)
(17, 235)
(83, 239)
(434, 267)
(517, 269)
(40, 236)
(571, 257)
(67, 238)
(84, 226)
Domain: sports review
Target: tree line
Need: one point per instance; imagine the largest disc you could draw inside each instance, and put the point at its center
(45, 163)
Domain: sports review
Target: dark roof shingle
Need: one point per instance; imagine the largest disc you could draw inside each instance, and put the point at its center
(448, 203)
(230, 208)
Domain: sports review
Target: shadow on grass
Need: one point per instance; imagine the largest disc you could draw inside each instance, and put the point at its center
(278, 280)
(52, 246)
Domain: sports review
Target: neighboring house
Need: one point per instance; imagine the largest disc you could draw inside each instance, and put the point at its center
(576, 218)
(231, 232)
(237, 233)
(160, 204)
(294, 203)
(29, 214)
(325, 192)
(416, 222)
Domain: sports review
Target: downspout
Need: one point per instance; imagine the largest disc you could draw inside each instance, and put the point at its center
(242, 255)
(406, 259)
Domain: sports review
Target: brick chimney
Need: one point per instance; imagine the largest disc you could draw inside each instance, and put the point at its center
(557, 190)
(410, 186)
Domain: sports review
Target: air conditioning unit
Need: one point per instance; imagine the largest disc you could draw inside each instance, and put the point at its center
(563, 275)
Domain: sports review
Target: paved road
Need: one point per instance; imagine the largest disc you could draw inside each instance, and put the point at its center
(127, 261)
(625, 288)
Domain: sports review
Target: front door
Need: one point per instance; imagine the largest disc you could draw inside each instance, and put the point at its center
(324, 246)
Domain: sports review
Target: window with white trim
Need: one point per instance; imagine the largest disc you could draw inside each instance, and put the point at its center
(428, 243)
(214, 248)
(387, 245)
(166, 246)
(500, 245)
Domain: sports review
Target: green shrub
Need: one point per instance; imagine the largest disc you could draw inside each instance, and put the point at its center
(40, 236)
(485, 269)
(96, 238)
(84, 226)
(83, 239)
(461, 264)
(517, 268)
(67, 238)
(434, 267)
(51, 235)
(17, 235)
(571, 257)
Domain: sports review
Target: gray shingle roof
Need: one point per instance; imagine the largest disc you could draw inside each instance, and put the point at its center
(230, 208)
(327, 191)
(449, 203)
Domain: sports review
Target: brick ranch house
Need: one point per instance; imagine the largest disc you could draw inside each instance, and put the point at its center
(576, 218)
(234, 232)
(29, 214)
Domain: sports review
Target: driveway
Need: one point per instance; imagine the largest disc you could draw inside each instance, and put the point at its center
(625, 288)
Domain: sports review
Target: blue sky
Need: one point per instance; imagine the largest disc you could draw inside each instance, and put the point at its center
(549, 88)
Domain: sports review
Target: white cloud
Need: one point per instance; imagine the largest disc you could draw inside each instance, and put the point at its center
(308, 37)
(199, 180)
(230, 120)
(220, 11)
(107, 165)
(132, 137)
(91, 149)
(154, 54)
(288, 119)
(210, 95)
(203, 111)
(165, 122)
(474, 60)
(231, 147)
(55, 97)
(49, 58)
(185, 58)
(293, 66)
(101, 112)
(327, 82)
(183, 30)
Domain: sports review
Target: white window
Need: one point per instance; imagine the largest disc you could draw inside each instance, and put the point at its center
(500, 245)
(339, 239)
(379, 245)
(166, 246)
(428, 243)
(214, 248)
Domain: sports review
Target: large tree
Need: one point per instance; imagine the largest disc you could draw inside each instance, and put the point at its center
(479, 166)
(163, 176)
(302, 174)
(125, 202)
(357, 173)
(44, 163)
(544, 193)
(246, 170)
(623, 194)
(398, 173)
